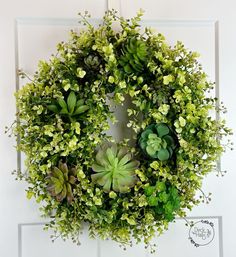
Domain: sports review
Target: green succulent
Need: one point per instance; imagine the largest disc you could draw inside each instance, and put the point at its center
(134, 55)
(164, 199)
(114, 169)
(158, 141)
(60, 182)
(71, 107)
(92, 61)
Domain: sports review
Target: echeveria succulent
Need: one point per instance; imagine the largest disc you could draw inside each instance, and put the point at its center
(60, 182)
(115, 169)
(71, 107)
(134, 55)
(158, 141)
(92, 61)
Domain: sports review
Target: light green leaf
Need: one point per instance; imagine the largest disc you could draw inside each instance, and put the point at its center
(80, 109)
(167, 79)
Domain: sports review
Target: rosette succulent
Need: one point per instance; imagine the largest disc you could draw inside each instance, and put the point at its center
(158, 141)
(134, 55)
(71, 107)
(115, 169)
(92, 61)
(60, 182)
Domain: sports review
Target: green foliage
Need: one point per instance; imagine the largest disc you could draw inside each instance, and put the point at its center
(92, 61)
(164, 198)
(115, 169)
(60, 182)
(158, 141)
(70, 108)
(64, 112)
(134, 55)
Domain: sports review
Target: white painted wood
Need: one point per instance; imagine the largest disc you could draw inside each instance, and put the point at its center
(114, 4)
(202, 25)
(37, 243)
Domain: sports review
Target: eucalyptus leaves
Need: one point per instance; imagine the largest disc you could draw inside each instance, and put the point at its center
(80, 174)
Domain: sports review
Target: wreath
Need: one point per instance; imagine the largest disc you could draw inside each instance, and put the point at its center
(133, 188)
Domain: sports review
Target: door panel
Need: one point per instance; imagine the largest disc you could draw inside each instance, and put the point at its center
(37, 243)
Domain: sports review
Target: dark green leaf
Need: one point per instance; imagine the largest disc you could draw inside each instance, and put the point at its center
(53, 108)
(169, 140)
(162, 129)
(80, 102)
(160, 186)
(71, 102)
(163, 155)
(149, 190)
(62, 103)
(152, 200)
(80, 109)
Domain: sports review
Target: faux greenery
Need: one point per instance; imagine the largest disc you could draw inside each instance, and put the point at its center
(61, 181)
(158, 141)
(63, 114)
(164, 199)
(114, 168)
(71, 107)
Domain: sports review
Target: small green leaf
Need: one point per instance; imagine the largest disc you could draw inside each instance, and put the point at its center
(163, 154)
(169, 140)
(53, 108)
(64, 111)
(152, 136)
(182, 121)
(62, 103)
(160, 186)
(80, 109)
(152, 200)
(142, 144)
(149, 190)
(80, 73)
(145, 133)
(112, 195)
(162, 129)
(80, 102)
(163, 197)
(150, 150)
(127, 68)
(71, 102)
(30, 194)
(167, 79)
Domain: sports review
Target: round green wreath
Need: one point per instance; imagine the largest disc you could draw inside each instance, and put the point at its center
(128, 189)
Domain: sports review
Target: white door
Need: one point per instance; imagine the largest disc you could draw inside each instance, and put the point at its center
(29, 31)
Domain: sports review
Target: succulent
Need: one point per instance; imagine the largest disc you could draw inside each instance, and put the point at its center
(158, 141)
(92, 61)
(71, 107)
(115, 169)
(164, 199)
(60, 182)
(134, 55)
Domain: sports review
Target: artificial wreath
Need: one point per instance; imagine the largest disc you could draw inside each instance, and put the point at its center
(135, 187)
